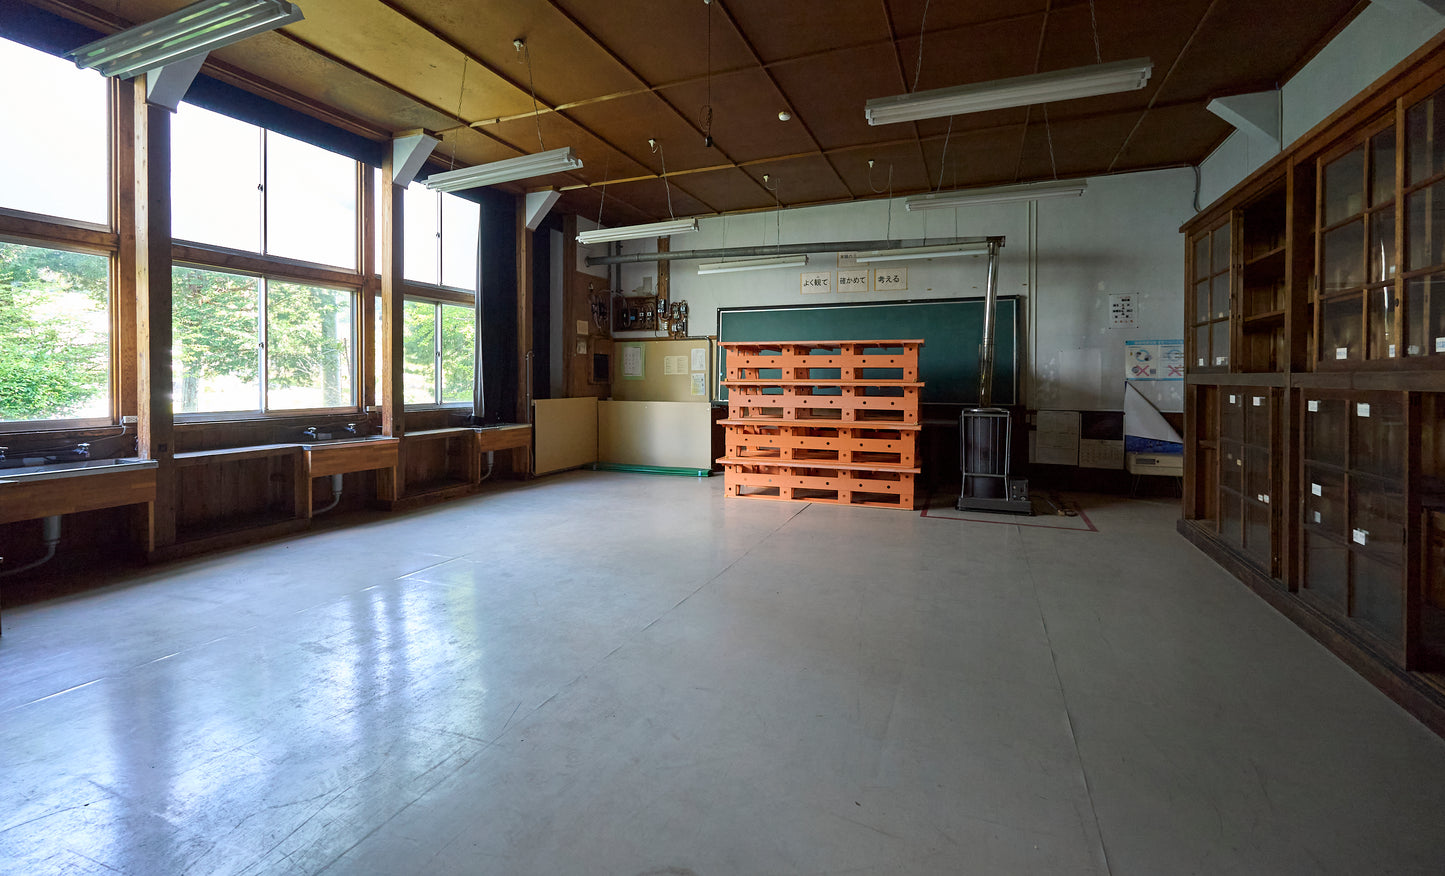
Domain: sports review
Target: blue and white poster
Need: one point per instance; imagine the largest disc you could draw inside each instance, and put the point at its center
(1154, 360)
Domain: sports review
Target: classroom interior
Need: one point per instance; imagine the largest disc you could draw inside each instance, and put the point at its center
(356, 522)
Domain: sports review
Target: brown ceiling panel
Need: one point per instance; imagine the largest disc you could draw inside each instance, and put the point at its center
(992, 50)
(1174, 135)
(787, 30)
(629, 122)
(728, 190)
(807, 180)
(635, 29)
(566, 62)
(909, 15)
(599, 159)
(614, 211)
(1079, 147)
(652, 197)
(828, 92)
(1234, 51)
(976, 159)
(745, 109)
(897, 167)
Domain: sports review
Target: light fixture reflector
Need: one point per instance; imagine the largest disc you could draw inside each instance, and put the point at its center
(507, 170)
(997, 195)
(1075, 82)
(907, 253)
(757, 264)
(186, 33)
(636, 232)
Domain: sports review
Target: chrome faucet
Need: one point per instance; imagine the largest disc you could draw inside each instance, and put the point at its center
(351, 429)
(310, 432)
(82, 451)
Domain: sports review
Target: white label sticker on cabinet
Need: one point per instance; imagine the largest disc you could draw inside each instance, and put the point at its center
(1362, 410)
(1201, 363)
(1317, 517)
(1440, 345)
(1221, 360)
(1413, 350)
(1317, 489)
(1234, 400)
(1258, 400)
(1392, 351)
(1314, 407)
(1342, 352)
(1362, 536)
(1263, 497)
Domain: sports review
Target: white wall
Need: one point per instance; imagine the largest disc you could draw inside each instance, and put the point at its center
(1064, 256)
(1380, 37)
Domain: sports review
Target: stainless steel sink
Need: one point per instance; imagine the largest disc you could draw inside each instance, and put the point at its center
(74, 468)
(349, 439)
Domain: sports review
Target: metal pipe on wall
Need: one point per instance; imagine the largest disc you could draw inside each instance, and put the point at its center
(783, 249)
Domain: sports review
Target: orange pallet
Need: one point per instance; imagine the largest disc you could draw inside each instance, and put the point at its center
(886, 489)
(854, 360)
(838, 444)
(833, 421)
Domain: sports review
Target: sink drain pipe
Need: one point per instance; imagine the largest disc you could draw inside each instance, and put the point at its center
(50, 533)
(335, 495)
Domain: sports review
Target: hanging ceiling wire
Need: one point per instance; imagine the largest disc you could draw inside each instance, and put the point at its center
(606, 172)
(777, 210)
(526, 53)
(1098, 56)
(705, 116)
(452, 161)
(943, 159)
(888, 186)
(1049, 133)
(918, 67)
(657, 148)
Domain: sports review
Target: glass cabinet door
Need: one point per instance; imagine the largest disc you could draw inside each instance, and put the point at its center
(1424, 293)
(1210, 290)
(1357, 297)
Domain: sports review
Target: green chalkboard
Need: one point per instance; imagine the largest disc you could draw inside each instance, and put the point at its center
(951, 329)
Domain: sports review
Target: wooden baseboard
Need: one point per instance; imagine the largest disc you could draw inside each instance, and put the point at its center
(1418, 693)
(190, 547)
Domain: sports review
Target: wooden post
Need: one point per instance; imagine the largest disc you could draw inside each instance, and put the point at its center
(391, 486)
(367, 257)
(155, 430)
(524, 314)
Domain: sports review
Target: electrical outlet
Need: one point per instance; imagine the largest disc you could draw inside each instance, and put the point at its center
(129, 421)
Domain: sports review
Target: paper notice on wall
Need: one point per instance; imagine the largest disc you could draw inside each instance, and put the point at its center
(1056, 438)
(699, 384)
(632, 362)
(1154, 360)
(669, 366)
(699, 359)
(1121, 312)
(1101, 453)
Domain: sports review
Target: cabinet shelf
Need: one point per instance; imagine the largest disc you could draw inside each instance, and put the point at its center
(1265, 320)
(1270, 261)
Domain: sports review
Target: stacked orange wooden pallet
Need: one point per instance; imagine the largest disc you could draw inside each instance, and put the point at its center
(823, 421)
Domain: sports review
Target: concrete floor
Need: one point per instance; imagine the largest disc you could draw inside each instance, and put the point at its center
(628, 674)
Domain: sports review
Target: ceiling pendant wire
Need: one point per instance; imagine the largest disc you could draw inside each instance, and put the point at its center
(1049, 133)
(1098, 55)
(943, 159)
(705, 116)
(657, 147)
(918, 67)
(452, 161)
(526, 52)
(606, 172)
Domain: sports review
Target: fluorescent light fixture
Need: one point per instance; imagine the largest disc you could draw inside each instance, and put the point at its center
(507, 170)
(997, 195)
(1017, 91)
(905, 253)
(635, 232)
(194, 30)
(787, 261)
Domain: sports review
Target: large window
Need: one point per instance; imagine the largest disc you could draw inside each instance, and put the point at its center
(54, 148)
(246, 344)
(239, 186)
(440, 239)
(54, 334)
(438, 352)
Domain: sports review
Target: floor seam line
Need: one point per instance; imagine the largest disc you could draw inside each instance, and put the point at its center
(1068, 712)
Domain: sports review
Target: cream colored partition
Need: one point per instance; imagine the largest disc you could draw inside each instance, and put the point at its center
(565, 431)
(661, 434)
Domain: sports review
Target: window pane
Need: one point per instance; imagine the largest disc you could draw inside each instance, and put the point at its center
(309, 349)
(1425, 138)
(215, 179)
(54, 334)
(1380, 307)
(1344, 193)
(310, 203)
(420, 246)
(419, 353)
(216, 352)
(1340, 329)
(1221, 248)
(1342, 261)
(1382, 167)
(1425, 227)
(459, 332)
(55, 148)
(460, 222)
